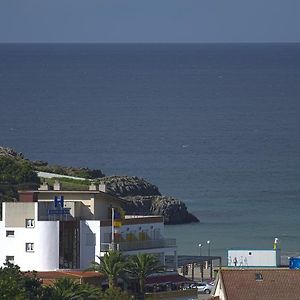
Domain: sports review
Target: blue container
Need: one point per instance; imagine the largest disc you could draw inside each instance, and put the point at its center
(294, 263)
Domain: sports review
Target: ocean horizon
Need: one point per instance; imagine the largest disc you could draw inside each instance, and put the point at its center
(215, 125)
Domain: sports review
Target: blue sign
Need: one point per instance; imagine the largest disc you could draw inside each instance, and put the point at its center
(63, 211)
(60, 209)
(59, 201)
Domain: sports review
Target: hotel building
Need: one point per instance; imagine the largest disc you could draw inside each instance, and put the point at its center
(56, 229)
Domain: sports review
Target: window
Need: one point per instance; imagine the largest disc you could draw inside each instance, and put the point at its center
(258, 277)
(29, 247)
(10, 233)
(29, 223)
(10, 259)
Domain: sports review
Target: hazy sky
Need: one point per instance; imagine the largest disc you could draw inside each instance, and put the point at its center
(149, 21)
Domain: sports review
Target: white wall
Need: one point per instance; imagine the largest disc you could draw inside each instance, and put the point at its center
(252, 258)
(45, 236)
(89, 242)
(220, 290)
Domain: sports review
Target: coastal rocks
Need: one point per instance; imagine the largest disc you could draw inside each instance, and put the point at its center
(9, 152)
(144, 198)
(140, 197)
(173, 210)
(43, 166)
(123, 186)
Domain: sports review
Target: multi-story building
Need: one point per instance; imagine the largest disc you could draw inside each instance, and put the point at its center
(58, 229)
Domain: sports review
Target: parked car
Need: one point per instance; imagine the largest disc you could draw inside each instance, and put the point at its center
(203, 287)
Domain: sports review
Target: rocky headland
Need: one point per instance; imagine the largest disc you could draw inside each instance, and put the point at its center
(141, 197)
(144, 198)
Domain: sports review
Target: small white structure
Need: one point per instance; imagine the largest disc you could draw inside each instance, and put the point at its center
(253, 258)
(55, 229)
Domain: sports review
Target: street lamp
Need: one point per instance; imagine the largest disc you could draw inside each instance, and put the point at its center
(200, 246)
(275, 245)
(201, 261)
(208, 248)
(209, 260)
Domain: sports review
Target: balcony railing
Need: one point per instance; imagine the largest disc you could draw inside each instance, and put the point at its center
(139, 245)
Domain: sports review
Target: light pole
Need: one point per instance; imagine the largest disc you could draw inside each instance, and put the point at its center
(209, 260)
(275, 245)
(208, 248)
(201, 261)
(200, 249)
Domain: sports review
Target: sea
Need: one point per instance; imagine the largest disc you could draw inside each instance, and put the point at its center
(215, 125)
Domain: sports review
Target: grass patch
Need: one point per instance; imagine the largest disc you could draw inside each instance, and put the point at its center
(70, 184)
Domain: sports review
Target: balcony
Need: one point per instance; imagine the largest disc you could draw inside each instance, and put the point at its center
(140, 245)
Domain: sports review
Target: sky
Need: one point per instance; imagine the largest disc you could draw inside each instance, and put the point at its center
(149, 21)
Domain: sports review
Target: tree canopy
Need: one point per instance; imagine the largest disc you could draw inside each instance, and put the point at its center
(112, 264)
(142, 265)
(14, 171)
(15, 285)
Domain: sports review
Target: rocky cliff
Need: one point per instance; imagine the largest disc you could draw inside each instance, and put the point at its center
(141, 197)
(43, 166)
(173, 210)
(144, 198)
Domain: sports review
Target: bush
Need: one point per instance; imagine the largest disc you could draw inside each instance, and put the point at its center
(16, 171)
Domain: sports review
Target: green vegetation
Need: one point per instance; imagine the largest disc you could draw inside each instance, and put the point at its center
(68, 289)
(69, 171)
(15, 175)
(141, 266)
(70, 184)
(112, 265)
(116, 294)
(16, 172)
(17, 285)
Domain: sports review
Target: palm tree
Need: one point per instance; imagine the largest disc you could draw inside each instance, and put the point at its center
(68, 289)
(112, 264)
(141, 266)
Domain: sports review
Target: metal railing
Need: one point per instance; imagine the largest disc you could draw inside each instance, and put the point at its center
(139, 245)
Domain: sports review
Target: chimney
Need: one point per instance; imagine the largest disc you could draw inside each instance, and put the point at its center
(92, 187)
(56, 185)
(44, 186)
(102, 187)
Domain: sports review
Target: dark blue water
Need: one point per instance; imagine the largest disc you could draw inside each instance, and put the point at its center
(214, 125)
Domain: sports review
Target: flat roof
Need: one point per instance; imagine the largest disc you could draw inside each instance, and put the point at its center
(184, 260)
(64, 191)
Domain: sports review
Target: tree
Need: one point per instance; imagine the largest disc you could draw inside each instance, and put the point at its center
(15, 174)
(15, 285)
(16, 171)
(142, 265)
(68, 289)
(112, 264)
(116, 294)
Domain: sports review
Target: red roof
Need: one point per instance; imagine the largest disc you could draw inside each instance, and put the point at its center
(50, 276)
(70, 274)
(266, 284)
(173, 278)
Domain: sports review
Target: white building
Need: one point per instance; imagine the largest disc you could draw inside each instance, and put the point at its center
(56, 229)
(253, 258)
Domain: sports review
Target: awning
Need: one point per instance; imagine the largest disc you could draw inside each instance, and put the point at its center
(163, 279)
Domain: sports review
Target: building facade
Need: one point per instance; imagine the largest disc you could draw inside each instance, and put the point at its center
(56, 229)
